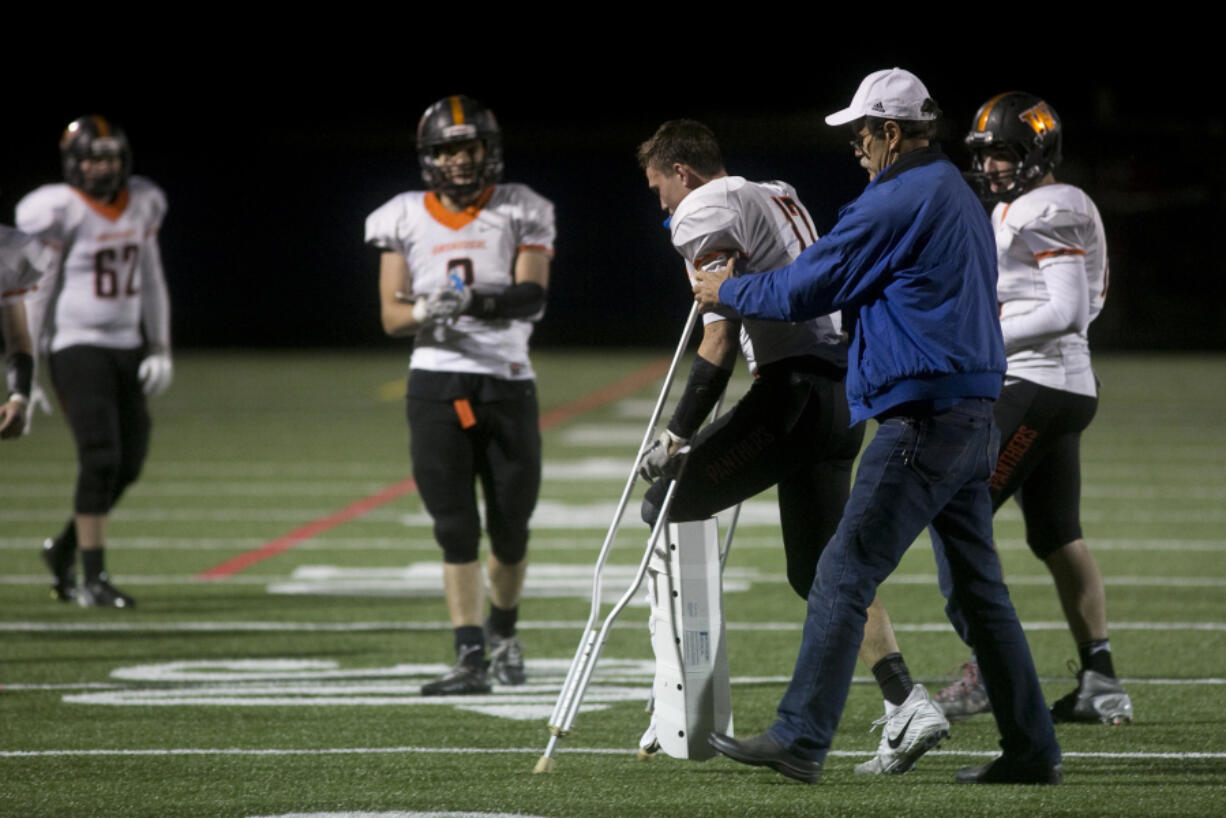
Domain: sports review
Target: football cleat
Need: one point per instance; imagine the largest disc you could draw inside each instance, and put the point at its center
(1097, 699)
(966, 697)
(910, 730)
(100, 593)
(649, 744)
(506, 659)
(467, 678)
(60, 562)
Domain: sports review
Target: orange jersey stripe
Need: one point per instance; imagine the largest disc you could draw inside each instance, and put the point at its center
(449, 218)
(1070, 251)
(534, 248)
(110, 211)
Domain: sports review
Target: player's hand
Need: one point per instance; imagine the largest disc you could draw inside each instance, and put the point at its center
(706, 284)
(444, 304)
(13, 418)
(657, 461)
(155, 373)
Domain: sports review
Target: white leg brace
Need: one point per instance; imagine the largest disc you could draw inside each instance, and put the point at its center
(692, 694)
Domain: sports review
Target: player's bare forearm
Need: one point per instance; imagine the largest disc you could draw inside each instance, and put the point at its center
(707, 283)
(720, 342)
(396, 305)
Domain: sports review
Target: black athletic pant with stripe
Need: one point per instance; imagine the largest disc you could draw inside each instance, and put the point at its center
(1040, 460)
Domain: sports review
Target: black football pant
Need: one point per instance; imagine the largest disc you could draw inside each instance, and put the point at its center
(456, 442)
(101, 395)
(1040, 461)
(790, 429)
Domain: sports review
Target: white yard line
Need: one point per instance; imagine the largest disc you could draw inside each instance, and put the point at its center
(562, 751)
(529, 625)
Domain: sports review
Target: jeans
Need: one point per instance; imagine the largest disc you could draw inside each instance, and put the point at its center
(921, 470)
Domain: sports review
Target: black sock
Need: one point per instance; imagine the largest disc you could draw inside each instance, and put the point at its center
(66, 540)
(502, 620)
(93, 561)
(1096, 656)
(470, 644)
(893, 678)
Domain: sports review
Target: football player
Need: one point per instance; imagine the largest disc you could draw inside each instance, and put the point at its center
(464, 269)
(792, 427)
(103, 315)
(1052, 255)
(22, 263)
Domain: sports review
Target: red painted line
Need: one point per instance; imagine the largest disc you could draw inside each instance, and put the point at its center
(615, 391)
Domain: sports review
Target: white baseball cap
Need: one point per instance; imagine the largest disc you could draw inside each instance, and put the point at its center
(892, 93)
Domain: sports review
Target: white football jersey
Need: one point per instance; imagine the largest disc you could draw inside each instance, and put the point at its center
(1052, 256)
(480, 246)
(23, 261)
(108, 279)
(767, 226)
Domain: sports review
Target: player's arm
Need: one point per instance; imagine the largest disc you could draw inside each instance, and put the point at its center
(396, 305)
(19, 365)
(1058, 249)
(709, 376)
(523, 299)
(156, 370)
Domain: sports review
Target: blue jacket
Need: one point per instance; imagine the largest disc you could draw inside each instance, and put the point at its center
(915, 258)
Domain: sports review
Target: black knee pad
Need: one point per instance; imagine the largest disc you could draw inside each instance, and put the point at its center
(98, 480)
(458, 538)
(510, 549)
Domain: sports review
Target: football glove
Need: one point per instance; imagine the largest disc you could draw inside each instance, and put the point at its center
(444, 304)
(38, 400)
(155, 373)
(657, 461)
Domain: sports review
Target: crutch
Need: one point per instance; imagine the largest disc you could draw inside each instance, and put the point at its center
(592, 640)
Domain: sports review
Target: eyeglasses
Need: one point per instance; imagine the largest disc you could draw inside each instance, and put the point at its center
(857, 144)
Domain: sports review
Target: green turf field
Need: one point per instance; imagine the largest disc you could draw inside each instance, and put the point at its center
(290, 686)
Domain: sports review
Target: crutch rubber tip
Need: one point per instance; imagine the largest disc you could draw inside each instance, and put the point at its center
(545, 764)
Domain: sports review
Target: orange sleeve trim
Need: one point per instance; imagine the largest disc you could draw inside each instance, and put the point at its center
(449, 218)
(715, 254)
(11, 293)
(464, 411)
(1071, 251)
(534, 248)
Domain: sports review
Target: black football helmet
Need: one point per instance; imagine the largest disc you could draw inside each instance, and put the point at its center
(458, 119)
(1025, 126)
(95, 137)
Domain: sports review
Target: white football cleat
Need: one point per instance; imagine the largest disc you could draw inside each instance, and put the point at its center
(910, 730)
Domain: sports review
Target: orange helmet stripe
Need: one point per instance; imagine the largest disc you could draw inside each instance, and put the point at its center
(457, 111)
(981, 121)
(104, 127)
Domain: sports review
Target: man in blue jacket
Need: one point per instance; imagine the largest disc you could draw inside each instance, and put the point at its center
(914, 260)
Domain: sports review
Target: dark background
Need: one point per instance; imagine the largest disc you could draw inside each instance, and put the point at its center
(271, 166)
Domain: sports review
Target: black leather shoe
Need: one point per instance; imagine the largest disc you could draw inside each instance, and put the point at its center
(1001, 771)
(764, 751)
